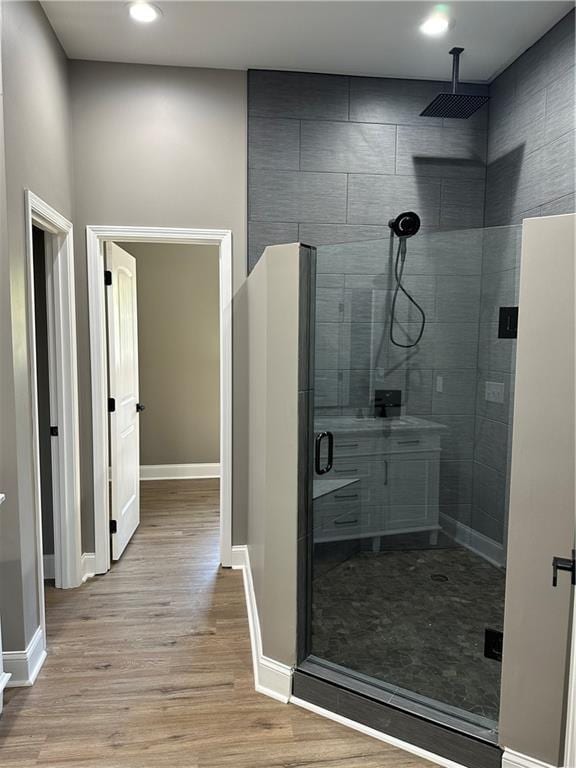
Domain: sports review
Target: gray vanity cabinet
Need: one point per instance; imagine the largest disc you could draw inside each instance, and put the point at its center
(396, 467)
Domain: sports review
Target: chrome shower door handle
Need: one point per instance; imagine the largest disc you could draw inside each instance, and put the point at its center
(322, 470)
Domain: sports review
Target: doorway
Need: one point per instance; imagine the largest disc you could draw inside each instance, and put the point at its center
(51, 311)
(106, 511)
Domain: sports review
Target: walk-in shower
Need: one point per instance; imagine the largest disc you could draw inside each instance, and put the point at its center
(408, 527)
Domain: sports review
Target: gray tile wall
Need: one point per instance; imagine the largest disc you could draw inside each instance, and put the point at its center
(531, 127)
(333, 158)
(530, 172)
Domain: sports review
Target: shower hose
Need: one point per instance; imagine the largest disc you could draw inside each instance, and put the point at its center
(398, 272)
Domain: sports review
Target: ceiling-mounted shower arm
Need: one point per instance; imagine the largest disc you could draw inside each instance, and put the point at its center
(455, 53)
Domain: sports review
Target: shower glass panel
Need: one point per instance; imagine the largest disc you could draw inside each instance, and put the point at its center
(409, 525)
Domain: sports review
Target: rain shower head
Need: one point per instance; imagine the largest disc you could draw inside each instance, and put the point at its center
(454, 105)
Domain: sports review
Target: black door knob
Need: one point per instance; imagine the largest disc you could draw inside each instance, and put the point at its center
(140, 407)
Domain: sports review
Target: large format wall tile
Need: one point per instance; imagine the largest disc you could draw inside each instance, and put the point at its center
(495, 354)
(454, 391)
(348, 147)
(442, 152)
(499, 289)
(456, 484)
(530, 139)
(491, 443)
(333, 158)
(274, 143)
(293, 196)
(376, 199)
(264, 233)
(457, 298)
(329, 234)
(560, 106)
(458, 438)
(501, 249)
(298, 95)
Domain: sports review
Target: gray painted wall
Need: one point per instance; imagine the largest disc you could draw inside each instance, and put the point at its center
(530, 173)
(159, 146)
(178, 352)
(37, 156)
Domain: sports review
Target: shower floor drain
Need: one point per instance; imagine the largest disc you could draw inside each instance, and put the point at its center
(438, 577)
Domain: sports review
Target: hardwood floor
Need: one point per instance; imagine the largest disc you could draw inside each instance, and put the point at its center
(150, 666)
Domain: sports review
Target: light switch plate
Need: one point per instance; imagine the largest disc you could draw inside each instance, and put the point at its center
(494, 392)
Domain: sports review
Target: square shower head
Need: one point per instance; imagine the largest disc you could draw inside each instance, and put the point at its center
(454, 105)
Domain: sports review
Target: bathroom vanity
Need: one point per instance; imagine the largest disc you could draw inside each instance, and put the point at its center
(391, 471)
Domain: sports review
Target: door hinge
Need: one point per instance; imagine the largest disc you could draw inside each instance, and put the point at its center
(107, 277)
(53, 431)
(113, 526)
(564, 564)
(111, 404)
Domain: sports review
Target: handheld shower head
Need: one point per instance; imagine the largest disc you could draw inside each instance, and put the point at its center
(405, 224)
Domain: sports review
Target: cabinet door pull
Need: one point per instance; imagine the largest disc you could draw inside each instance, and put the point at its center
(408, 442)
(349, 445)
(385, 471)
(345, 471)
(346, 522)
(346, 496)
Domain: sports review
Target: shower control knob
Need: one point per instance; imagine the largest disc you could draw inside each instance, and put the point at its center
(405, 224)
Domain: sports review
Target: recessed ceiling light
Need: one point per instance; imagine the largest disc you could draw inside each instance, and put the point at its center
(436, 24)
(144, 12)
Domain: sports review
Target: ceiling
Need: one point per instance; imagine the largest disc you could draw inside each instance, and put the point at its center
(359, 38)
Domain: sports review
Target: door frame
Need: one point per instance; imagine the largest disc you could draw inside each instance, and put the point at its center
(61, 311)
(96, 236)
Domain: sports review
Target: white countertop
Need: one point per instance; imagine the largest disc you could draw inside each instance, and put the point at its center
(374, 425)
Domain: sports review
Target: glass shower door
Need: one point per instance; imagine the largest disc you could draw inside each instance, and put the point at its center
(409, 525)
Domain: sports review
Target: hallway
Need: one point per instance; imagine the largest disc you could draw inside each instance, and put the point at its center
(150, 665)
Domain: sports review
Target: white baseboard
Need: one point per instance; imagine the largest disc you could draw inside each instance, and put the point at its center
(512, 759)
(88, 565)
(49, 567)
(364, 729)
(270, 677)
(24, 666)
(178, 471)
(474, 541)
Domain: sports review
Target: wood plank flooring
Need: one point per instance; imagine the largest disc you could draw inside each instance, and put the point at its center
(150, 666)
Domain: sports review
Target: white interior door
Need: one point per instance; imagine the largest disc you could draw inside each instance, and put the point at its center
(123, 390)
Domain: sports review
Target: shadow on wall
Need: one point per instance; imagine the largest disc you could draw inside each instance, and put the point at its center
(503, 187)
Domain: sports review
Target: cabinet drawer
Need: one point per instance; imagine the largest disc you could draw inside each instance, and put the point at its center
(354, 446)
(353, 523)
(410, 444)
(334, 505)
